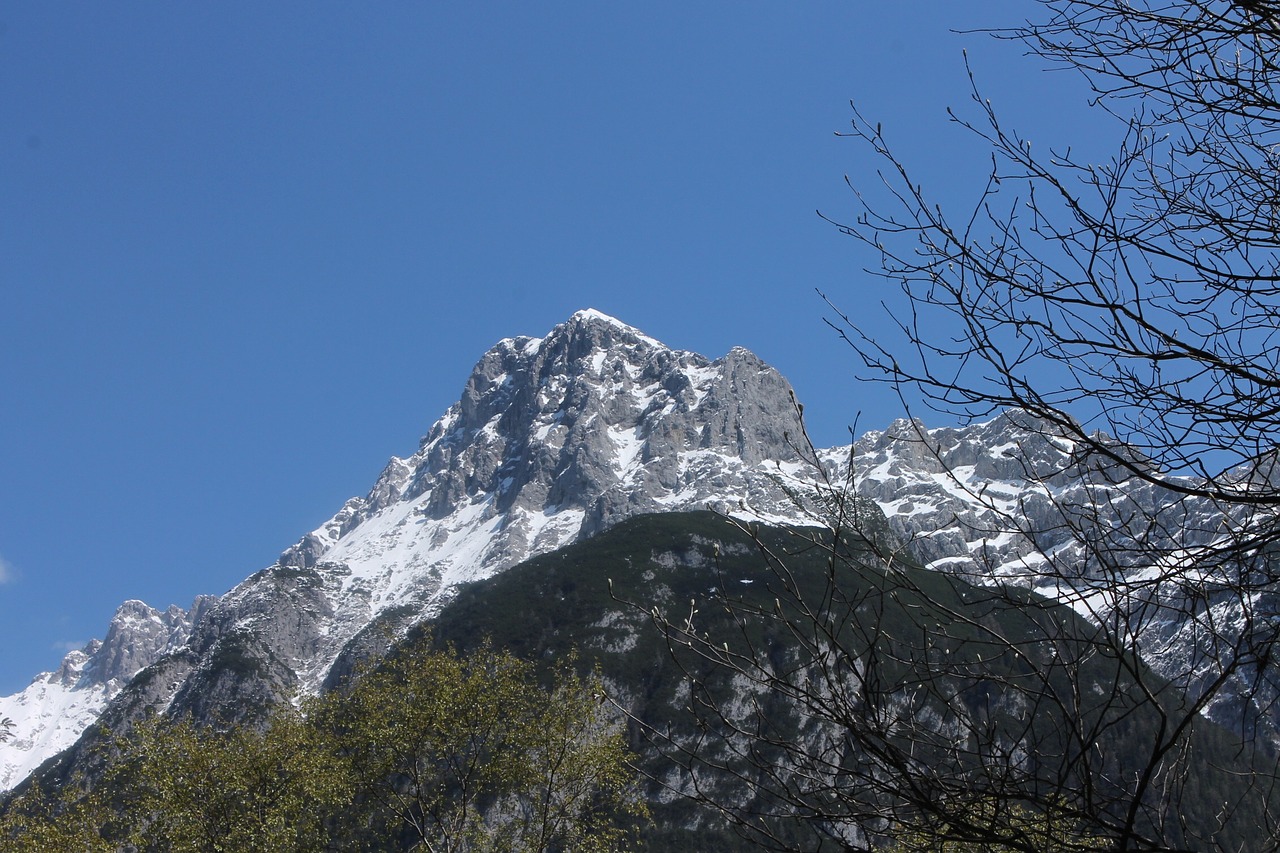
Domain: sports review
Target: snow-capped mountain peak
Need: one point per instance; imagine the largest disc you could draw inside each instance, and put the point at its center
(552, 439)
(556, 438)
(51, 713)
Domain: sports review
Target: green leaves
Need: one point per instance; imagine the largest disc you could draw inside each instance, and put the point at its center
(430, 751)
(195, 788)
(1005, 828)
(73, 822)
(472, 754)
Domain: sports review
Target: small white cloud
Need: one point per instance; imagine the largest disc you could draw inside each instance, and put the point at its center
(7, 572)
(67, 646)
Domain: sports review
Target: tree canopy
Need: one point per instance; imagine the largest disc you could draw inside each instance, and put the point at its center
(430, 751)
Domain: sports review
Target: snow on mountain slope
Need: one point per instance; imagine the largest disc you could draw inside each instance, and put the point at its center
(1006, 501)
(557, 438)
(52, 712)
(553, 439)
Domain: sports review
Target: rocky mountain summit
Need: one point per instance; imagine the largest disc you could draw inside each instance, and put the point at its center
(54, 709)
(1009, 500)
(558, 438)
(552, 440)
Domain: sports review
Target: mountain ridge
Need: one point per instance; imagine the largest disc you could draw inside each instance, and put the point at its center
(553, 439)
(559, 437)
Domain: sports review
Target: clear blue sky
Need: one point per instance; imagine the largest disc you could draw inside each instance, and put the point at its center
(248, 251)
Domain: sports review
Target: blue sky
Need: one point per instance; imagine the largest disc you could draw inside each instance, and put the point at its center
(248, 251)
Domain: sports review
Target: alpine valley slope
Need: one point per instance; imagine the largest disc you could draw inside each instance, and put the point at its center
(555, 439)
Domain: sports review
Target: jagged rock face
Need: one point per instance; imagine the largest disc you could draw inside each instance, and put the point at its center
(552, 439)
(254, 643)
(593, 416)
(596, 418)
(139, 635)
(1003, 497)
(1011, 500)
(52, 712)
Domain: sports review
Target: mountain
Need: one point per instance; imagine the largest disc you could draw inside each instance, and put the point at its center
(553, 439)
(50, 714)
(1009, 501)
(734, 693)
(557, 439)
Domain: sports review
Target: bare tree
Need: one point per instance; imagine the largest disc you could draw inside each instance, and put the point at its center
(1118, 691)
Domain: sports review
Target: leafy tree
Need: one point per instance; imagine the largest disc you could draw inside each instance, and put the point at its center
(468, 753)
(429, 751)
(193, 788)
(70, 822)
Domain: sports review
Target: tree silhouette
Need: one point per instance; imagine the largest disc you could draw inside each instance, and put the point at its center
(1118, 683)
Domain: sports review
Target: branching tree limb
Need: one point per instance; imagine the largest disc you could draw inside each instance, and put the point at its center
(1116, 681)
